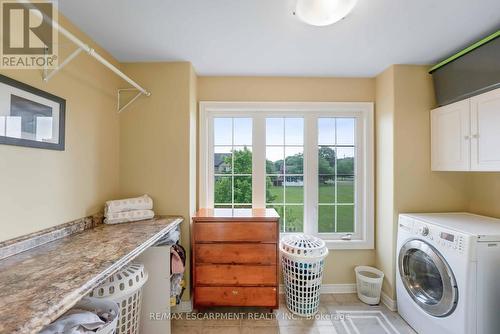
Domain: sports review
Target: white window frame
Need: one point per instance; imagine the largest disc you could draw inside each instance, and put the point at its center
(363, 238)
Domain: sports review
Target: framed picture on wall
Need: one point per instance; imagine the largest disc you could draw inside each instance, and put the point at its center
(30, 117)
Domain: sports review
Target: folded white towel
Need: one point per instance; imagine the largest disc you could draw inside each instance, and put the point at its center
(138, 203)
(128, 216)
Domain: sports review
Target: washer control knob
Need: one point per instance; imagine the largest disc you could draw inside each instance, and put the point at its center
(424, 231)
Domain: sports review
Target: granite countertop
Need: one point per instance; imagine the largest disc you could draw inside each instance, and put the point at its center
(40, 284)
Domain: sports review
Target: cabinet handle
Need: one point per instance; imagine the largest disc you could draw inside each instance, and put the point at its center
(235, 292)
(466, 137)
(475, 136)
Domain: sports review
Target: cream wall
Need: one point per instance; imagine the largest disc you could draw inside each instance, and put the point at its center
(158, 141)
(415, 187)
(340, 263)
(42, 188)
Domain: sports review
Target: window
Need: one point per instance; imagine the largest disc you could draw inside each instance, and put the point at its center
(232, 162)
(312, 162)
(285, 171)
(336, 176)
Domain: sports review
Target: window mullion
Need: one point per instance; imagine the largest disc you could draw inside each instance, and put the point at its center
(232, 163)
(310, 174)
(335, 182)
(209, 159)
(359, 185)
(259, 162)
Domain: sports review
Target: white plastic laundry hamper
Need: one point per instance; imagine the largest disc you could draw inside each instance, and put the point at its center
(124, 288)
(369, 284)
(98, 306)
(106, 309)
(302, 260)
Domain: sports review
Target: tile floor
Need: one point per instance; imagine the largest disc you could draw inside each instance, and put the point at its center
(338, 314)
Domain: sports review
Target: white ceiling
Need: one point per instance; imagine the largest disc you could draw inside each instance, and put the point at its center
(262, 37)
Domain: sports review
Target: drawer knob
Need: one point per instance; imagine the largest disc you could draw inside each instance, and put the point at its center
(235, 292)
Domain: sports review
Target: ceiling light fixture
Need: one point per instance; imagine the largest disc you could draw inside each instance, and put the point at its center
(323, 12)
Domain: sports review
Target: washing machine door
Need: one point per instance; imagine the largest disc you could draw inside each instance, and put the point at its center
(428, 278)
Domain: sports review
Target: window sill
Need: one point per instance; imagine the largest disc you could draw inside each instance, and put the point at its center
(339, 244)
(349, 244)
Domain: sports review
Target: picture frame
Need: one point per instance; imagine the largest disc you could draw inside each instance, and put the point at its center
(31, 117)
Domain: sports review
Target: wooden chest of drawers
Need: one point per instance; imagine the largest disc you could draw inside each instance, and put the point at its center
(235, 257)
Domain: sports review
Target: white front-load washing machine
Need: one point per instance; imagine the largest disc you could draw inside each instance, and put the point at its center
(448, 273)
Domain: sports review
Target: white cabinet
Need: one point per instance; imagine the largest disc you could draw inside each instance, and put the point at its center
(465, 136)
(485, 129)
(450, 137)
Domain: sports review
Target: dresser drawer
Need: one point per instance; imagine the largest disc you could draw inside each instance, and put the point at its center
(249, 232)
(236, 296)
(214, 274)
(236, 253)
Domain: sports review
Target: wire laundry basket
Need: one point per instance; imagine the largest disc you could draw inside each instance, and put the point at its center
(302, 260)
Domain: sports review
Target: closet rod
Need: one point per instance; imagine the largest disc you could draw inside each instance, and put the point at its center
(90, 51)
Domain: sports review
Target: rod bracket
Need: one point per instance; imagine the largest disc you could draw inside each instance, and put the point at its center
(47, 75)
(132, 100)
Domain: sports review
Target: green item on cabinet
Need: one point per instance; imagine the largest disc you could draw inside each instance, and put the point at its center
(466, 50)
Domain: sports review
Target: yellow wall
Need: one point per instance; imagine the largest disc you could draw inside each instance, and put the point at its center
(415, 187)
(484, 192)
(158, 140)
(384, 180)
(340, 263)
(286, 89)
(43, 188)
(151, 148)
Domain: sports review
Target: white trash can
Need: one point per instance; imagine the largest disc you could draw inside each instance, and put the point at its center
(369, 284)
(124, 288)
(302, 260)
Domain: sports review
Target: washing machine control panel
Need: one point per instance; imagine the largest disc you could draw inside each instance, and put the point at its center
(442, 238)
(424, 231)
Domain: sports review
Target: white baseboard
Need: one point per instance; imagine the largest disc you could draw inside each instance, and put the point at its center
(185, 306)
(390, 303)
(351, 288)
(331, 288)
(338, 288)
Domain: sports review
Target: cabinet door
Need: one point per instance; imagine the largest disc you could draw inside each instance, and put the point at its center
(156, 290)
(485, 130)
(450, 137)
